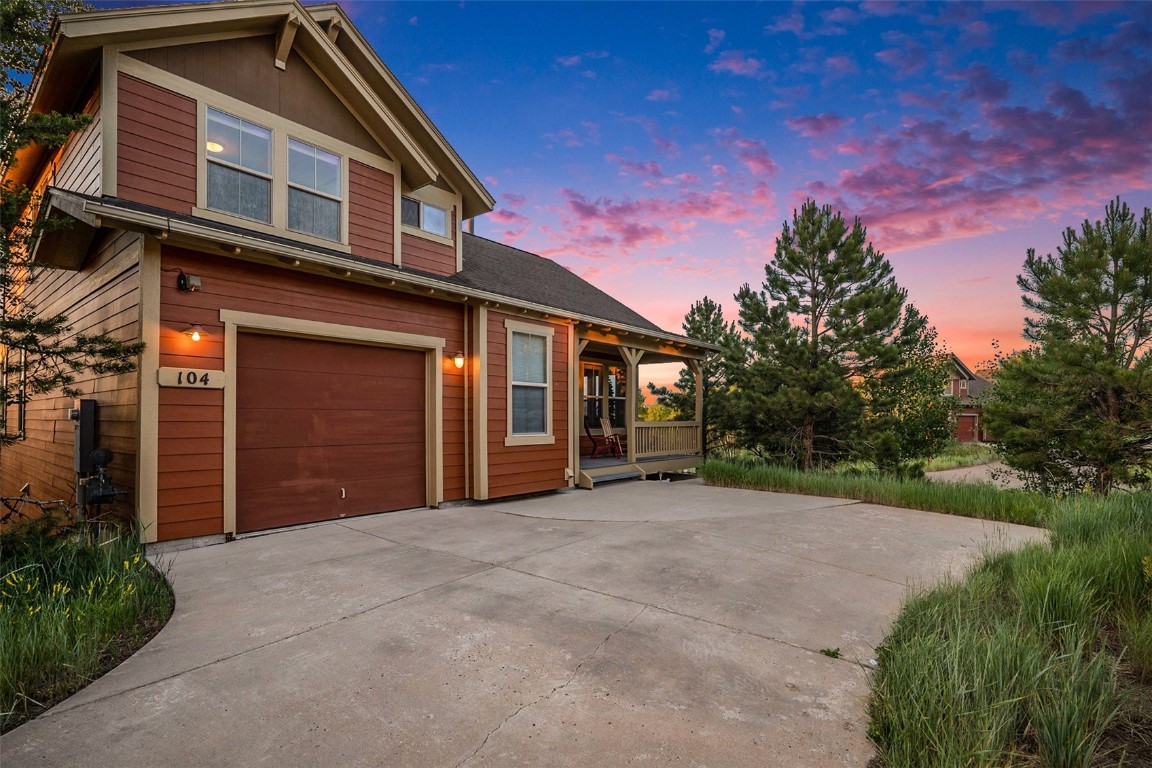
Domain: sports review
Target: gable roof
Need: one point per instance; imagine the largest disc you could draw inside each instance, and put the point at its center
(502, 269)
(351, 67)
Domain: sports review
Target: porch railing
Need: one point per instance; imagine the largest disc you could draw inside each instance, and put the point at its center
(667, 438)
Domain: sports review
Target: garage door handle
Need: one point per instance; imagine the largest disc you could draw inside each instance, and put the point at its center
(342, 494)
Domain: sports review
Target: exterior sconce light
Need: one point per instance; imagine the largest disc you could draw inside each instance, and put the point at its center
(195, 332)
(458, 359)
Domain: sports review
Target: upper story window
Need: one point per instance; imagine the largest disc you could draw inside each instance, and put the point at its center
(313, 190)
(416, 213)
(963, 385)
(239, 167)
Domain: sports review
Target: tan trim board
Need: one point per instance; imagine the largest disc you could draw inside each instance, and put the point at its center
(148, 449)
(480, 412)
(236, 321)
(397, 214)
(109, 120)
(548, 437)
(230, 331)
(575, 407)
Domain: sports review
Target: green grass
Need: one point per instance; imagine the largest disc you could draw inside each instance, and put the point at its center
(970, 500)
(957, 455)
(1041, 656)
(73, 603)
(1034, 657)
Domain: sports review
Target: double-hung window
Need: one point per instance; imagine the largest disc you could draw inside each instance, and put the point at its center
(423, 216)
(313, 191)
(529, 383)
(239, 167)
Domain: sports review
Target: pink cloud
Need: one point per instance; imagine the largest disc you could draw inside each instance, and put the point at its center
(569, 61)
(736, 63)
(633, 168)
(668, 93)
(793, 22)
(514, 199)
(981, 85)
(814, 126)
(904, 54)
(752, 153)
(840, 65)
(931, 181)
(715, 38)
(589, 133)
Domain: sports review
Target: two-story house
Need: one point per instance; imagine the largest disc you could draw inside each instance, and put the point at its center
(260, 201)
(967, 387)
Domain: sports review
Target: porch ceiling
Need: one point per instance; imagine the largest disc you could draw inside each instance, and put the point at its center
(602, 349)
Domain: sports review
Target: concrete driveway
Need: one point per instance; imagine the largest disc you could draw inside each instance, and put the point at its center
(638, 624)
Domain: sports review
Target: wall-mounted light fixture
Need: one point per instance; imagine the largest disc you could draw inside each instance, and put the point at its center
(458, 359)
(195, 332)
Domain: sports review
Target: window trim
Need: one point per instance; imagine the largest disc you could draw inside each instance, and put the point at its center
(603, 397)
(281, 130)
(419, 231)
(269, 177)
(547, 437)
(21, 395)
(341, 222)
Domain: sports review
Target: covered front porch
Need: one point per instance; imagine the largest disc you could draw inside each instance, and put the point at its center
(615, 442)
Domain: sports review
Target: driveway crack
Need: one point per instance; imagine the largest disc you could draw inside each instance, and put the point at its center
(557, 689)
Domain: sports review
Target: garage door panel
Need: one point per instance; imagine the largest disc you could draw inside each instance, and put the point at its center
(310, 503)
(318, 428)
(327, 391)
(337, 464)
(293, 354)
(327, 430)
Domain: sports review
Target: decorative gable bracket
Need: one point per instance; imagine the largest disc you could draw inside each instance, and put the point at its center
(284, 39)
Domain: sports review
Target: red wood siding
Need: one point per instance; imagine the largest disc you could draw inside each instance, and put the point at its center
(155, 146)
(371, 211)
(427, 255)
(191, 421)
(326, 430)
(104, 296)
(514, 470)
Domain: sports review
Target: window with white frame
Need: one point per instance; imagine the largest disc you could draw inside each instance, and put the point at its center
(529, 383)
(239, 167)
(423, 216)
(314, 190)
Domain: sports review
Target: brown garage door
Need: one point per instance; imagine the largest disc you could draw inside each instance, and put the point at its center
(326, 430)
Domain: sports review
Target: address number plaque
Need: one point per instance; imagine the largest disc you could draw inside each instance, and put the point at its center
(193, 378)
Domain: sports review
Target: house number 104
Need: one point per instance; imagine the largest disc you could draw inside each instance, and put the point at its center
(191, 377)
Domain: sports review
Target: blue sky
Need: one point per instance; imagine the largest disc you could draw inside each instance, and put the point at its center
(656, 148)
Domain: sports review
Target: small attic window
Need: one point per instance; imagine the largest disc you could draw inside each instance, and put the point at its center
(421, 215)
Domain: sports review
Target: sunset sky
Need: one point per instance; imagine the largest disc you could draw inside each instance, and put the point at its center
(656, 148)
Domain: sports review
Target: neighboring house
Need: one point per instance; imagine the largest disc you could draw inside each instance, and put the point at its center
(968, 387)
(261, 202)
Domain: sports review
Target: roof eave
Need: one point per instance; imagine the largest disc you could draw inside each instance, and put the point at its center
(151, 223)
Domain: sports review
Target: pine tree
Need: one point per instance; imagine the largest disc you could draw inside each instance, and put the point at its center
(40, 353)
(1075, 410)
(829, 317)
(704, 321)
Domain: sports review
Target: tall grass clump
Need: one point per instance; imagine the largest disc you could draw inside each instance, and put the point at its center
(74, 601)
(981, 500)
(1031, 658)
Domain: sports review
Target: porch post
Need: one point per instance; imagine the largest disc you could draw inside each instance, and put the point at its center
(632, 358)
(698, 371)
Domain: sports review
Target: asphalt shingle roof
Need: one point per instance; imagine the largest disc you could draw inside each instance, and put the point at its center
(507, 271)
